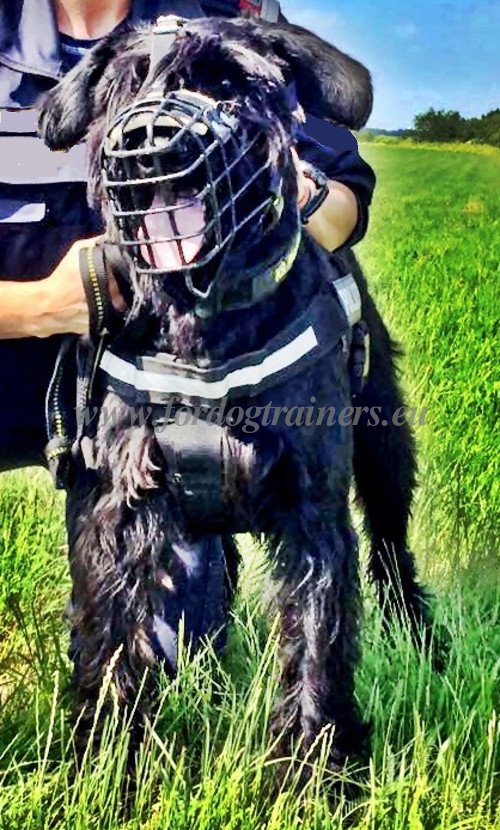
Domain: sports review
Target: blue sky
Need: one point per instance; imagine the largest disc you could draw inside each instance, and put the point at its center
(444, 54)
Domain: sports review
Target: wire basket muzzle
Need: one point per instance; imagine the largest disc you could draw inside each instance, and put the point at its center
(183, 177)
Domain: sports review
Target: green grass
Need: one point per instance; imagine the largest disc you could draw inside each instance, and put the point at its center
(448, 146)
(436, 739)
(436, 742)
(432, 259)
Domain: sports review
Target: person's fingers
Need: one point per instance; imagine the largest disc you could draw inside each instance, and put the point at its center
(114, 292)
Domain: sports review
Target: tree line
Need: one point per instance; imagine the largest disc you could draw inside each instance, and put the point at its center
(449, 125)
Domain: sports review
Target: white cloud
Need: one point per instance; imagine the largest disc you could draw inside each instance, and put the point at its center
(311, 17)
(407, 30)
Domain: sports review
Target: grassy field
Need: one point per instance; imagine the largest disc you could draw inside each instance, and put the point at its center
(432, 259)
(436, 739)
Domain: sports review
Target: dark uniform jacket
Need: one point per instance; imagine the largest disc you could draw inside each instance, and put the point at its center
(43, 206)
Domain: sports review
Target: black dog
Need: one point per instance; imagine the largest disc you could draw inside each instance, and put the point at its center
(150, 502)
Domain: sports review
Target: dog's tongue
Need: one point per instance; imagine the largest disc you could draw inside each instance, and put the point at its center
(189, 218)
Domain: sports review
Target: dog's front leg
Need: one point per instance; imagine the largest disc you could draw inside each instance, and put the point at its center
(119, 530)
(319, 607)
(110, 556)
(135, 577)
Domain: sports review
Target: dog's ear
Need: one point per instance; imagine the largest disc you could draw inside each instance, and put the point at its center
(68, 110)
(329, 83)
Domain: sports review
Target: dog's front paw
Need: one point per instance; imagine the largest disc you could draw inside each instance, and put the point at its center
(299, 757)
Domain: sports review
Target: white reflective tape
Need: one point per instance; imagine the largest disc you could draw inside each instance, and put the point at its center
(12, 211)
(27, 160)
(18, 121)
(173, 384)
(349, 296)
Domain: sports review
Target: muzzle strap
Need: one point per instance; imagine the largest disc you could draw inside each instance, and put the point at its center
(165, 32)
(259, 284)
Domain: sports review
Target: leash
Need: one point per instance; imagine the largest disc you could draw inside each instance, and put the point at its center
(65, 421)
(58, 449)
(94, 278)
(65, 408)
(95, 261)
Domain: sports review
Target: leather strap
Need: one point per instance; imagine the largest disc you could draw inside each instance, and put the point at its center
(165, 32)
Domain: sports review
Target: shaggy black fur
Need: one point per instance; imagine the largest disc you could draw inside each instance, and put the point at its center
(130, 545)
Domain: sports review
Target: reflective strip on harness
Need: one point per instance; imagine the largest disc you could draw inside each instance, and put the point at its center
(172, 384)
(25, 159)
(349, 296)
(157, 378)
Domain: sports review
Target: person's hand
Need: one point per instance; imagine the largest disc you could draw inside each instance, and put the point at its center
(63, 307)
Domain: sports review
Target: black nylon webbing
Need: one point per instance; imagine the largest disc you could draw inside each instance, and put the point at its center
(195, 456)
(324, 314)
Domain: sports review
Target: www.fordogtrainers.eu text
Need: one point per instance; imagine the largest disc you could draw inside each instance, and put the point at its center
(250, 419)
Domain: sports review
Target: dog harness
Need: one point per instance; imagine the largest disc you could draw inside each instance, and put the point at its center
(197, 450)
(158, 381)
(159, 378)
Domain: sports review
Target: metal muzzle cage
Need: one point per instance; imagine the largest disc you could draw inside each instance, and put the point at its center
(184, 151)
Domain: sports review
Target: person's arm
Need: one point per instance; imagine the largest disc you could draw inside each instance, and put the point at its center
(54, 305)
(343, 217)
(335, 220)
(333, 223)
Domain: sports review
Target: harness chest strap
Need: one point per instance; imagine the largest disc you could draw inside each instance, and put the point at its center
(157, 378)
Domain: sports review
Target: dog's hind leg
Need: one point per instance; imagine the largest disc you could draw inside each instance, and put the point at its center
(316, 565)
(385, 474)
